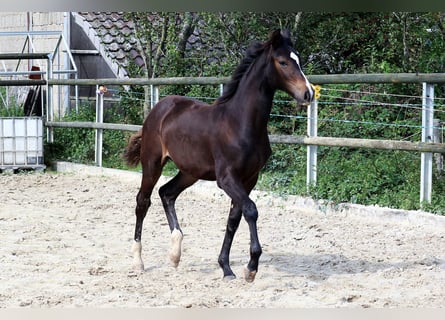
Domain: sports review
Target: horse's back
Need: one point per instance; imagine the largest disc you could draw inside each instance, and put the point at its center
(178, 104)
(169, 108)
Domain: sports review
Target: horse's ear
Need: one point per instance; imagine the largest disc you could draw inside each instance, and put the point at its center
(287, 37)
(276, 38)
(285, 33)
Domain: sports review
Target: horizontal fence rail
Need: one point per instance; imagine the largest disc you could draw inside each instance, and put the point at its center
(360, 143)
(93, 125)
(19, 83)
(142, 81)
(288, 139)
(317, 79)
(378, 78)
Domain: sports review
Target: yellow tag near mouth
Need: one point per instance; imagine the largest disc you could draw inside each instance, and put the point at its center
(316, 89)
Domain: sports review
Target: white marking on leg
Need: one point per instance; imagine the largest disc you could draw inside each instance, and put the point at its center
(249, 276)
(137, 259)
(175, 247)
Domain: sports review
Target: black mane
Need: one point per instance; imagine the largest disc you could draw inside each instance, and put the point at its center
(251, 54)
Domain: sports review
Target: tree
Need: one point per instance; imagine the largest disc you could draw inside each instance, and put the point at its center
(199, 44)
(154, 33)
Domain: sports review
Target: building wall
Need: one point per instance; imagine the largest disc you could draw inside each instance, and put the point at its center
(12, 22)
(88, 66)
(33, 21)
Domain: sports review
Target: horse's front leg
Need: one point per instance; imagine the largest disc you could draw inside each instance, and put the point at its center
(250, 213)
(232, 225)
(241, 201)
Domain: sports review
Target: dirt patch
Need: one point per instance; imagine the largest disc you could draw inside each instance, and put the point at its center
(66, 240)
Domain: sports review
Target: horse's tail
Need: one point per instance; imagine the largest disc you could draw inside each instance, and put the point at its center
(132, 154)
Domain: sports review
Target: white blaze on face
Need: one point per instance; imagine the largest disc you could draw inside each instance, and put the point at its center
(295, 57)
(297, 60)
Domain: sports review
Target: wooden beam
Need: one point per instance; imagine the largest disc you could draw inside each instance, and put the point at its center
(142, 81)
(25, 82)
(316, 79)
(288, 139)
(360, 143)
(378, 78)
(93, 125)
(20, 56)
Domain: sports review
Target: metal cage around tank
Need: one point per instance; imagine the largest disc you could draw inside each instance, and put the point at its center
(21, 143)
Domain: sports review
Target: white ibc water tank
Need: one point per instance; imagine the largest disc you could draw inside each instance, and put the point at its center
(21, 142)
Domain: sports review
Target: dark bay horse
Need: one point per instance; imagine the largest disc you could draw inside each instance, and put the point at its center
(226, 141)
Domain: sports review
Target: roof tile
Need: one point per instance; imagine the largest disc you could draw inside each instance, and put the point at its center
(116, 33)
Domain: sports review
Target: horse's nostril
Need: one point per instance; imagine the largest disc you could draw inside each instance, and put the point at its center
(307, 96)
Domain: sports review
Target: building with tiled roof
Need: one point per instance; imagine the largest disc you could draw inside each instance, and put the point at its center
(102, 44)
(109, 35)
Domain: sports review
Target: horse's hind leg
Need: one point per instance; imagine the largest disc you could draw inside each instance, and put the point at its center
(143, 202)
(168, 193)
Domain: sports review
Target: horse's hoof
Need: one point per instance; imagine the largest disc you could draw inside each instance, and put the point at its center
(174, 261)
(249, 275)
(136, 249)
(138, 267)
(175, 247)
(229, 278)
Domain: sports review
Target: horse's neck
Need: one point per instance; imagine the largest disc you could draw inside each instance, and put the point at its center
(252, 102)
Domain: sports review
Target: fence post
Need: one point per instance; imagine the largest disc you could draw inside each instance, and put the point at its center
(154, 95)
(49, 102)
(437, 138)
(312, 131)
(426, 158)
(100, 90)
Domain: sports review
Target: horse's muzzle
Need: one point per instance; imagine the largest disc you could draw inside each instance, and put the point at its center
(307, 98)
(309, 95)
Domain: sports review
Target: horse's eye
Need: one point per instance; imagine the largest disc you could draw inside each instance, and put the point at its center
(282, 63)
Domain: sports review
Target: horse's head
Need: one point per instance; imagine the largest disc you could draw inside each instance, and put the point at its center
(288, 75)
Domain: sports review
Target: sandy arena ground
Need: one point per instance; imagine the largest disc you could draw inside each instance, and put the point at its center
(66, 240)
